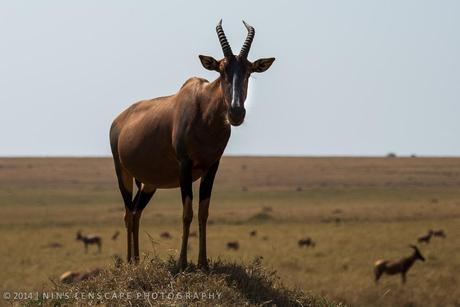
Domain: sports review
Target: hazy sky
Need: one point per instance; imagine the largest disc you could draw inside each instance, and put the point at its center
(350, 77)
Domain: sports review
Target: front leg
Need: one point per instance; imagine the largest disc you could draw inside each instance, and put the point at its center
(205, 196)
(187, 210)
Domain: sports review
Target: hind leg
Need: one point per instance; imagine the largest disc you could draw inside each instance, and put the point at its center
(142, 199)
(125, 184)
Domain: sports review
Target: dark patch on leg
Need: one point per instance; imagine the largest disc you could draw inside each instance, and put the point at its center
(186, 179)
(207, 181)
(142, 199)
(205, 194)
(187, 215)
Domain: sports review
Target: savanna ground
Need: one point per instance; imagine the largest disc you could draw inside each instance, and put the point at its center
(356, 209)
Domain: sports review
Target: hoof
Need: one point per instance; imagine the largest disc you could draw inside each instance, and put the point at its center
(204, 268)
(182, 266)
(203, 265)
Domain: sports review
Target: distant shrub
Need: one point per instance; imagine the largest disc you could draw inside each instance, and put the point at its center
(391, 155)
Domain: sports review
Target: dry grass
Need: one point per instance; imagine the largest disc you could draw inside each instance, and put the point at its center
(356, 209)
(157, 282)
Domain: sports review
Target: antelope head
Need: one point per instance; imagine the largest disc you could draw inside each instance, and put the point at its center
(234, 73)
(418, 254)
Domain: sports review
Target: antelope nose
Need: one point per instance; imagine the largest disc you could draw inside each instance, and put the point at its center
(237, 112)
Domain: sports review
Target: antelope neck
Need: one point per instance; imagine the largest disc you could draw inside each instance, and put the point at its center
(213, 105)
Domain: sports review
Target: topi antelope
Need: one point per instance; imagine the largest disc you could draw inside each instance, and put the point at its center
(425, 238)
(401, 266)
(89, 240)
(171, 141)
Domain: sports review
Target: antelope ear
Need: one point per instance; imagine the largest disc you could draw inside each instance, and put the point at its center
(262, 65)
(209, 62)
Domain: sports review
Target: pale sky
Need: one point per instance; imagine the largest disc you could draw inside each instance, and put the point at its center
(350, 77)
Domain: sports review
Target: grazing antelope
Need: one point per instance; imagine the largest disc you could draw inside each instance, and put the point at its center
(439, 233)
(171, 141)
(401, 266)
(306, 242)
(425, 238)
(89, 240)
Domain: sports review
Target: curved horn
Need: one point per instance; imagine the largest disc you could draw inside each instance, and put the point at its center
(223, 40)
(247, 43)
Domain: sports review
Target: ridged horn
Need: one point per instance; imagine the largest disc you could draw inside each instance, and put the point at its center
(247, 43)
(223, 40)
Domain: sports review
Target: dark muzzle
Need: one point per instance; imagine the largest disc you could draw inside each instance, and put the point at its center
(236, 115)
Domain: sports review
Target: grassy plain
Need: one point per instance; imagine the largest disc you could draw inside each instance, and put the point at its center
(356, 209)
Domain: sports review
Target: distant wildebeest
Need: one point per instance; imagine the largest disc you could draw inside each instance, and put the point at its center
(193, 234)
(401, 266)
(439, 233)
(115, 235)
(90, 240)
(425, 238)
(171, 141)
(306, 242)
(165, 235)
(233, 245)
(253, 233)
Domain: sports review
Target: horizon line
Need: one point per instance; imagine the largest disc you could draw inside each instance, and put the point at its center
(239, 156)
